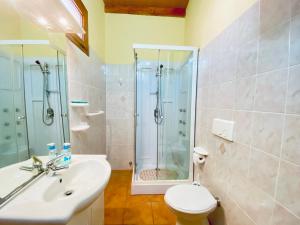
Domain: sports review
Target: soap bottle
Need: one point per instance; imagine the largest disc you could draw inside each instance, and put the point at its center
(66, 151)
(52, 151)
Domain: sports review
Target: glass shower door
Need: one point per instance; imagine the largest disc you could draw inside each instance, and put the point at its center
(174, 132)
(63, 89)
(13, 133)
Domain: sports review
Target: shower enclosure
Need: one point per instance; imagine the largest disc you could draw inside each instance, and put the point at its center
(33, 99)
(165, 97)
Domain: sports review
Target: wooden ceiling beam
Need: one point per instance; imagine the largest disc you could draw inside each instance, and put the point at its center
(148, 3)
(149, 11)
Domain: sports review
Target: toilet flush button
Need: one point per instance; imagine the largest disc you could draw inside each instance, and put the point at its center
(223, 128)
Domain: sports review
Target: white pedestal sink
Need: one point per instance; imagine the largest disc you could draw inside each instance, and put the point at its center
(74, 196)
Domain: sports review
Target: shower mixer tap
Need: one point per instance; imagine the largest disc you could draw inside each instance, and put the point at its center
(158, 111)
(47, 113)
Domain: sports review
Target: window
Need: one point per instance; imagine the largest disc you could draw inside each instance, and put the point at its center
(80, 14)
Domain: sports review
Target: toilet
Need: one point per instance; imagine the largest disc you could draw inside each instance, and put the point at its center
(190, 203)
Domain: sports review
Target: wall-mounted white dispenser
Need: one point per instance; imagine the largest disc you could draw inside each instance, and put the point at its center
(199, 155)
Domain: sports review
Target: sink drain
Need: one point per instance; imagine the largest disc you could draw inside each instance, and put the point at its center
(68, 193)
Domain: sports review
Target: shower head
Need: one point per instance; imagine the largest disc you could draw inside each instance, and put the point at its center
(38, 62)
(44, 68)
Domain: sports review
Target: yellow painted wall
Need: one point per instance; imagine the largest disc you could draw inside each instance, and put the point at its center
(206, 19)
(9, 23)
(96, 26)
(122, 30)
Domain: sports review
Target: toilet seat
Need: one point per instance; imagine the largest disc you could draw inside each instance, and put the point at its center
(191, 199)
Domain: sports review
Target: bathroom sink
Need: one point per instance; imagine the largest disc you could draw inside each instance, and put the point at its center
(55, 199)
(76, 182)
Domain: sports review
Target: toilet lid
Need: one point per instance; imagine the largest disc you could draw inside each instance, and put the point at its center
(190, 199)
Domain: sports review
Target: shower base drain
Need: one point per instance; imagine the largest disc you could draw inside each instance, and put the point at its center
(162, 174)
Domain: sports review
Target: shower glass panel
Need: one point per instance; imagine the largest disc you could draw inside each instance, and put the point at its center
(13, 132)
(165, 109)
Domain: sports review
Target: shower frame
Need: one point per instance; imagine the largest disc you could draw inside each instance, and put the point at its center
(160, 186)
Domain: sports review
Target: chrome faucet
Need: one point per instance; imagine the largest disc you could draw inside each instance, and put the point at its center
(51, 166)
(38, 170)
(37, 166)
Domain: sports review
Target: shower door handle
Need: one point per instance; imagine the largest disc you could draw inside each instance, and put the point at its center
(21, 117)
(155, 112)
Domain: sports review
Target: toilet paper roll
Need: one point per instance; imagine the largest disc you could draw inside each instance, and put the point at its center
(198, 159)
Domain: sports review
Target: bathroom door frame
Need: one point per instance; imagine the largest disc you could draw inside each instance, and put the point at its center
(195, 52)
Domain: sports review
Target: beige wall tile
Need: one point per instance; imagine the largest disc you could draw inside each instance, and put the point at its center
(263, 170)
(293, 93)
(295, 45)
(288, 193)
(249, 181)
(238, 160)
(247, 59)
(256, 203)
(244, 94)
(274, 48)
(291, 141)
(249, 24)
(243, 127)
(270, 91)
(295, 7)
(274, 12)
(283, 216)
(267, 132)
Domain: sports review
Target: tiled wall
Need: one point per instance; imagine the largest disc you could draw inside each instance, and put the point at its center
(251, 74)
(86, 80)
(120, 115)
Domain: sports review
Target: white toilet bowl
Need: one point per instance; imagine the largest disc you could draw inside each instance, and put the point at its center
(190, 203)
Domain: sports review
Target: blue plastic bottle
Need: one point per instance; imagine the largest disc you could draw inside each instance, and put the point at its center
(52, 151)
(66, 151)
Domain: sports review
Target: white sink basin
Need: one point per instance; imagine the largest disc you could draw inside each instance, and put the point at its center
(45, 201)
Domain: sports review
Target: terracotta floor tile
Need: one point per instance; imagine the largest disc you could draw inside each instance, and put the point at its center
(157, 198)
(113, 216)
(122, 208)
(138, 214)
(162, 214)
(115, 199)
(137, 199)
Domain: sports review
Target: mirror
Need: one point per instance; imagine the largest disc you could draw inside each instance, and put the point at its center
(33, 100)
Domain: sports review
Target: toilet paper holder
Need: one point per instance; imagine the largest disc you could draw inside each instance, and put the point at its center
(199, 155)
